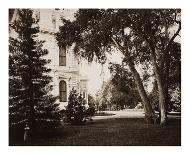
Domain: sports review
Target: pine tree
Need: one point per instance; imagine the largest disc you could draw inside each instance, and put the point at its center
(30, 99)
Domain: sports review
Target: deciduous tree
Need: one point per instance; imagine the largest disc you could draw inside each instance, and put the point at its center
(142, 35)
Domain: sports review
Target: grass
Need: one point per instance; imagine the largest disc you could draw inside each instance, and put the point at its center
(112, 132)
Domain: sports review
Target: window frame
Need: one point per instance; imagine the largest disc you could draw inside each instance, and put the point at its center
(62, 56)
(62, 91)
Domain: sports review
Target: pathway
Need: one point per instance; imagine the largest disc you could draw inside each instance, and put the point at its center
(130, 114)
(121, 114)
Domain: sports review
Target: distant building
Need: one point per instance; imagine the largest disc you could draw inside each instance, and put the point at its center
(64, 64)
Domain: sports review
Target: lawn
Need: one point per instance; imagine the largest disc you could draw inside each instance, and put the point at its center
(112, 132)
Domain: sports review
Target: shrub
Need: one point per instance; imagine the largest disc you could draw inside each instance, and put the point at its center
(90, 112)
(76, 110)
(103, 107)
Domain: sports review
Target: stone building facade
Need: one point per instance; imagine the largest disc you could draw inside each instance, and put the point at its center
(64, 64)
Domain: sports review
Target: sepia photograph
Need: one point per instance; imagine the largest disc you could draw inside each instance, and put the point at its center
(94, 77)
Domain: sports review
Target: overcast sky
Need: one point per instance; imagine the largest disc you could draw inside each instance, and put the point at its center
(96, 73)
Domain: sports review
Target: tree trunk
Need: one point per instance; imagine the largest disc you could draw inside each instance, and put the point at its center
(149, 112)
(162, 99)
(163, 86)
(162, 102)
(166, 78)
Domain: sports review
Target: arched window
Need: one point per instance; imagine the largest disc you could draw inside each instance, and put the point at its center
(62, 56)
(62, 91)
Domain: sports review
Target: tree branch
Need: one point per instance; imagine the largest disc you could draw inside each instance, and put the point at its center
(116, 44)
(174, 36)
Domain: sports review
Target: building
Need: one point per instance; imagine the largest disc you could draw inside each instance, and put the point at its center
(64, 64)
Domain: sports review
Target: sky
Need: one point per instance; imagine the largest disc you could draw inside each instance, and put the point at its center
(96, 73)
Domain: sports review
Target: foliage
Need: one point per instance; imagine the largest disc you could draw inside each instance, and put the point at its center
(174, 102)
(142, 35)
(103, 106)
(123, 81)
(174, 81)
(175, 98)
(91, 101)
(175, 65)
(174, 78)
(93, 30)
(153, 96)
(30, 99)
(76, 110)
(115, 96)
(90, 111)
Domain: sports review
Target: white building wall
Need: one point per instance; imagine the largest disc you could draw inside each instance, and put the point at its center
(70, 72)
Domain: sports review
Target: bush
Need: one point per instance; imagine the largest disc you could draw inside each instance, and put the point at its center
(103, 107)
(76, 112)
(90, 111)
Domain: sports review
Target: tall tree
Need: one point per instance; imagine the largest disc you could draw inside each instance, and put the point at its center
(154, 27)
(141, 35)
(173, 80)
(96, 31)
(30, 99)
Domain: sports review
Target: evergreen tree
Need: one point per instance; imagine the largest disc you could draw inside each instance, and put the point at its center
(30, 99)
(76, 110)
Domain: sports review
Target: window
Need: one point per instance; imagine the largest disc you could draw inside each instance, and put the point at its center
(62, 91)
(62, 56)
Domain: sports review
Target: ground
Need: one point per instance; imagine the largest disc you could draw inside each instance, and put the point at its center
(114, 130)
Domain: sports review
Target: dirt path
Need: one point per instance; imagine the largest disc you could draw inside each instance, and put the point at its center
(121, 114)
(130, 114)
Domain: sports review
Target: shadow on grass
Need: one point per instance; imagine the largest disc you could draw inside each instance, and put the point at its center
(112, 132)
